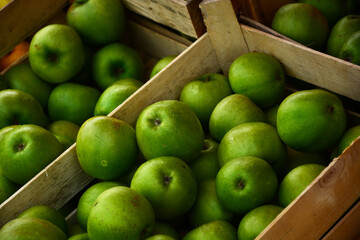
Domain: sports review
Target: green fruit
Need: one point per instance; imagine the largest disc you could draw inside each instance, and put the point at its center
(97, 22)
(350, 51)
(160, 237)
(22, 77)
(206, 166)
(166, 229)
(232, 111)
(296, 181)
(7, 187)
(207, 206)
(72, 102)
(246, 183)
(311, 120)
(203, 93)
(26, 150)
(120, 213)
(5, 130)
(341, 31)
(215, 230)
(81, 236)
(106, 147)
(46, 213)
(333, 10)
(65, 132)
(303, 23)
(255, 221)
(258, 76)
(112, 97)
(114, 62)
(88, 198)
(349, 136)
(271, 114)
(169, 128)
(247, 139)
(169, 185)
(129, 82)
(31, 229)
(56, 53)
(162, 63)
(18, 107)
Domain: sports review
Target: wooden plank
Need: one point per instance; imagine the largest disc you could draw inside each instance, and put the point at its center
(21, 18)
(347, 227)
(224, 31)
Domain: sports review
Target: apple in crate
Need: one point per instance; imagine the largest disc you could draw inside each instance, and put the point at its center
(162, 63)
(214, 230)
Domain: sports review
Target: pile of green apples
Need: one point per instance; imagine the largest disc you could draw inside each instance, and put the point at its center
(73, 72)
(330, 26)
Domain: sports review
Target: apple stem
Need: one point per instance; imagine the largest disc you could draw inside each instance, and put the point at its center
(21, 147)
(167, 180)
(157, 122)
(240, 184)
(207, 78)
(330, 109)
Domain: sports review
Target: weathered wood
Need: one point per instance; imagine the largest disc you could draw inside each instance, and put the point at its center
(21, 18)
(347, 227)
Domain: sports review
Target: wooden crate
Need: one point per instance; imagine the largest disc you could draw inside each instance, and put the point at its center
(310, 215)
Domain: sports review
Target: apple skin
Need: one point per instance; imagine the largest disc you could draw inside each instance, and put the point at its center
(160, 237)
(169, 128)
(26, 150)
(215, 230)
(114, 62)
(166, 229)
(31, 228)
(295, 182)
(247, 139)
(18, 107)
(245, 183)
(72, 102)
(22, 77)
(162, 63)
(255, 221)
(98, 22)
(7, 187)
(120, 213)
(56, 53)
(168, 183)
(65, 132)
(129, 82)
(80, 236)
(88, 198)
(106, 147)
(348, 137)
(350, 51)
(204, 93)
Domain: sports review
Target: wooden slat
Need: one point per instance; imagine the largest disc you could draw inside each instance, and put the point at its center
(21, 18)
(348, 227)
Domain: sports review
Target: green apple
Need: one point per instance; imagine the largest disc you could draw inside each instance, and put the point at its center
(129, 82)
(166, 229)
(88, 198)
(206, 166)
(311, 120)
(247, 139)
(7, 187)
(98, 22)
(65, 132)
(72, 102)
(120, 213)
(333, 10)
(162, 63)
(204, 93)
(303, 23)
(296, 181)
(232, 111)
(245, 183)
(258, 76)
(5, 130)
(341, 31)
(26, 150)
(160, 237)
(106, 147)
(350, 51)
(296, 158)
(168, 183)
(255, 221)
(114, 62)
(18, 107)
(215, 230)
(349, 136)
(81, 236)
(169, 128)
(31, 229)
(207, 206)
(112, 97)
(271, 114)
(56, 53)
(46, 213)
(22, 77)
